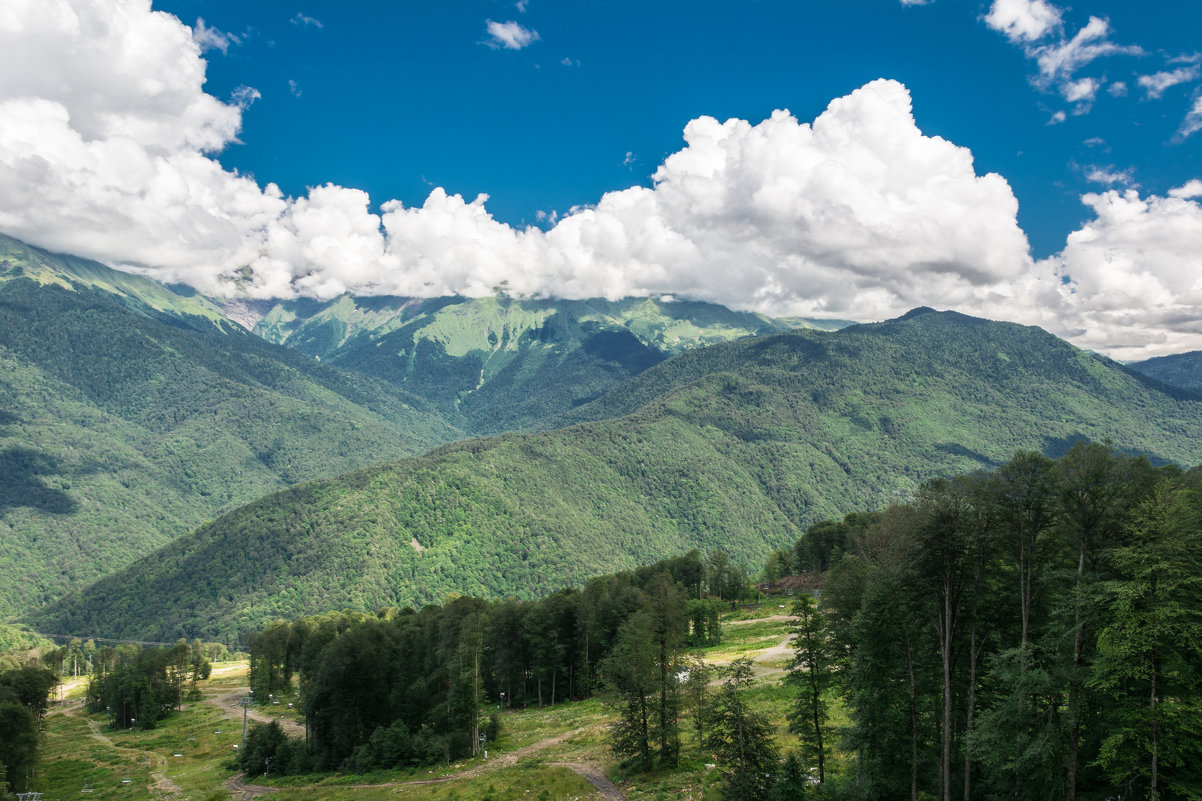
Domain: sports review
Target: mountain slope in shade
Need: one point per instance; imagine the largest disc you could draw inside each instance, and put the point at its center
(121, 429)
(499, 364)
(1181, 370)
(737, 446)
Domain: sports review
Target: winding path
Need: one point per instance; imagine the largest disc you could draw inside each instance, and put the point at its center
(242, 790)
(161, 786)
(227, 702)
(608, 790)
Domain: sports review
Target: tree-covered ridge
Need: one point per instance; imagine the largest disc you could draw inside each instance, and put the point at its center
(497, 363)
(133, 292)
(1182, 370)
(119, 432)
(736, 447)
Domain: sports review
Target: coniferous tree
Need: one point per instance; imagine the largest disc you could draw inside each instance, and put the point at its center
(742, 738)
(697, 696)
(1149, 659)
(809, 676)
(668, 617)
(631, 671)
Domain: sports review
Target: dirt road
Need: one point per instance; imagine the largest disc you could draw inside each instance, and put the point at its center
(242, 790)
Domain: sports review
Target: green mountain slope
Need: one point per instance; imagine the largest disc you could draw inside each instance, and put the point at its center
(133, 292)
(120, 430)
(736, 446)
(1181, 370)
(498, 364)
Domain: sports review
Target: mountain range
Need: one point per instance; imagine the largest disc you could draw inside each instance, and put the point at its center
(174, 465)
(736, 446)
(498, 364)
(132, 412)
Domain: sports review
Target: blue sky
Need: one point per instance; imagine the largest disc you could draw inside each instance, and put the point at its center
(1020, 160)
(395, 98)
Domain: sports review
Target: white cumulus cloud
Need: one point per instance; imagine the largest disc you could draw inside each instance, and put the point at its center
(1135, 289)
(1038, 27)
(303, 21)
(106, 150)
(1082, 93)
(509, 35)
(1023, 20)
(1156, 83)
(1060, 60)
(1187, 190)
(1109, 175)
(1193, 120)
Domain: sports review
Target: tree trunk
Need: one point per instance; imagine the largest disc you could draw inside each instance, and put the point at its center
(973, 656)
(1074, 688)
(945, 645)
(1154, 790)
(817, 723)
(913, 725)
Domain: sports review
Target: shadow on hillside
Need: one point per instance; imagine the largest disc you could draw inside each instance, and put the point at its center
(21, 485)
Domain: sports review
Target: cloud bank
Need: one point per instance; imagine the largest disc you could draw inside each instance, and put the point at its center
(108, 154)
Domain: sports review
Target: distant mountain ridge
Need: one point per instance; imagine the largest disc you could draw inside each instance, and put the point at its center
(500, 364)
(1183, 370)
(736, 446)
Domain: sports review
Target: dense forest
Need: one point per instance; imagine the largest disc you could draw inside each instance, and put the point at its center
(120, 431)
(1028, 632)
(139, 687)
(406, 687)
(1178, 370)
(735, 447)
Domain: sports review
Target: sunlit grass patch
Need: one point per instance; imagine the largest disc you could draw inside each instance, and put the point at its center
(530, 782)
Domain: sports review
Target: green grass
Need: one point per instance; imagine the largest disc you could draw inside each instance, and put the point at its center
(204, 737)
(517, 783)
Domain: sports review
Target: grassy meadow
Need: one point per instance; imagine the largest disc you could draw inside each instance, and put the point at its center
(187, 756)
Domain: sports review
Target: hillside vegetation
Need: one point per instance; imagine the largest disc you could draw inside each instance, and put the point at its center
(1182, 370)
(179, 307)
(737, 446)
(499, 364)
(123, 425)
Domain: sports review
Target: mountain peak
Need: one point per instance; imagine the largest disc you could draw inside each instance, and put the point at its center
(918, 312)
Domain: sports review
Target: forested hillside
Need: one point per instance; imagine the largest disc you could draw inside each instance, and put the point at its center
(737, 446)
(181, 307)
(133, 412)
(499, 364)
(1182, 370)
(120, 430)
